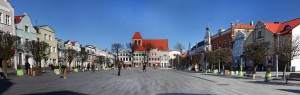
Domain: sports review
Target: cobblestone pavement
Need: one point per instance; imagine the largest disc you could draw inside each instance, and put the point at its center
(135, 82)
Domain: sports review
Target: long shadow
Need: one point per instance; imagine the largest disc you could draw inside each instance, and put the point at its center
(233, 77)
(282, 83)
(58, 93)
(290, 90)
(5, 85)
(182, 94)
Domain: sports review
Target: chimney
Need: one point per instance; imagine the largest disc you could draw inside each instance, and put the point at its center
(221, 30)
(277, 22)
(251, 23)
(24, 14)
(232, 24)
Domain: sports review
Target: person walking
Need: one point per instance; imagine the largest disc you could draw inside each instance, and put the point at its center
(27, 67)
(119, 69)
(2, 74)
(93, 67)
(144, 68)
(64, 70)
(88, 66)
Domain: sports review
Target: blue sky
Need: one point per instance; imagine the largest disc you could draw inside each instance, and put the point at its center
(103, 22)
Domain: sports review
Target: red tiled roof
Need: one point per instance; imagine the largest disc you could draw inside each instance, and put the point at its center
(137, 35)
(73, 43)
(279, 27)
(243, 26)
(160, 44)
(18, 19)
(273, 27)
(139, 48)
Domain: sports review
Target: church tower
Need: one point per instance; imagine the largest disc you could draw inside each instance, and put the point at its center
(207, 37)
(137, 39)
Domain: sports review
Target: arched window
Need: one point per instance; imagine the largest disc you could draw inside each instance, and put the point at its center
(229, 43)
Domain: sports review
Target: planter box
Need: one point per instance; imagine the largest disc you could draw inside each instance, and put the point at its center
(268, 75)
(56, 71)
(76, 70)
(240, 73)
(20, 72)
(97, 69)
(231, 72)
(215, 71)
(226, 72)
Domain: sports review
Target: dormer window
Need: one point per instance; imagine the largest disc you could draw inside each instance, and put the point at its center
(288, 27)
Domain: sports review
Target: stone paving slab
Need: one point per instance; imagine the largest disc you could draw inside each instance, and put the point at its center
(135, 82)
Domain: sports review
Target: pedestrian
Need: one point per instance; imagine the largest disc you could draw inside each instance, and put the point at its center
(64, 70)
(27, 67)
(144, 68)
(2, 74)
(93, 67)
(119, 69)
(88, 66)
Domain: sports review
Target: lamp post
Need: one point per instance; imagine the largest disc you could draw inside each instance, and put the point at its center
(219, 61)
(277, 55)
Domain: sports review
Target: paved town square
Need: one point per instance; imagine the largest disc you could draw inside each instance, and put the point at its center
(135, 82)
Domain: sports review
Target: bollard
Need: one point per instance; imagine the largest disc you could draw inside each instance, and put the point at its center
(33, 73)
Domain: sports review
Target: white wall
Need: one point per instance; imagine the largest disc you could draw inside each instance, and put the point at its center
(296, 60)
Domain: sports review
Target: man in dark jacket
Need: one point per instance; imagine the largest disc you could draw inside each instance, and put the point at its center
(2, 74)
(27, 67)
(119, 68)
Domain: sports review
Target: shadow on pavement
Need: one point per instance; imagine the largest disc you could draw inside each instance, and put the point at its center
(58, 93)
(274, 83)
(182, 94)
(290, 90)
(5, 85)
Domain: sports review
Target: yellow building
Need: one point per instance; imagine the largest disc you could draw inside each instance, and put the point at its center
(47, 34)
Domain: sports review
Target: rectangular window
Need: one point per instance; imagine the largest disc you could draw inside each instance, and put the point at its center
(26, 28)
(45, 35)
(8, 20)
(1, 18)
(50, 39)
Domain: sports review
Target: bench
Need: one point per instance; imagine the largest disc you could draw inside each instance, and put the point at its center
(248, 73)
(292, 76)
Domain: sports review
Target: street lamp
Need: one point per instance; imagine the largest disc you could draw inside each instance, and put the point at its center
(277, 55)
(219, 61)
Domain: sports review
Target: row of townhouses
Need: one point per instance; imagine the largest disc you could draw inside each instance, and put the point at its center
(154, 51)
(237, 36)
(22, 26)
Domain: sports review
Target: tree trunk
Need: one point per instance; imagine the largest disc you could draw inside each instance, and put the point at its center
(223, 69)
(254, 72)
(284, 71)
(70, 65)
(4, 66)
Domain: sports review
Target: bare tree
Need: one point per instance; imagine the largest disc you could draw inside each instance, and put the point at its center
(39, 50)
(226, 56)
(288, 49)
(256, 52)
(211, 57)
(197, 59)
(8, 43)
(83, 54)
(116, 48)
(130, 47)
(179, 46)
(148, 47)
(70, 55)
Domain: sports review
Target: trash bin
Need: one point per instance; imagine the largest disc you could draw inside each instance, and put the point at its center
(293, 68)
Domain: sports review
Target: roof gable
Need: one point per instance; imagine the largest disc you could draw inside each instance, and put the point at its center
(137, 35)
